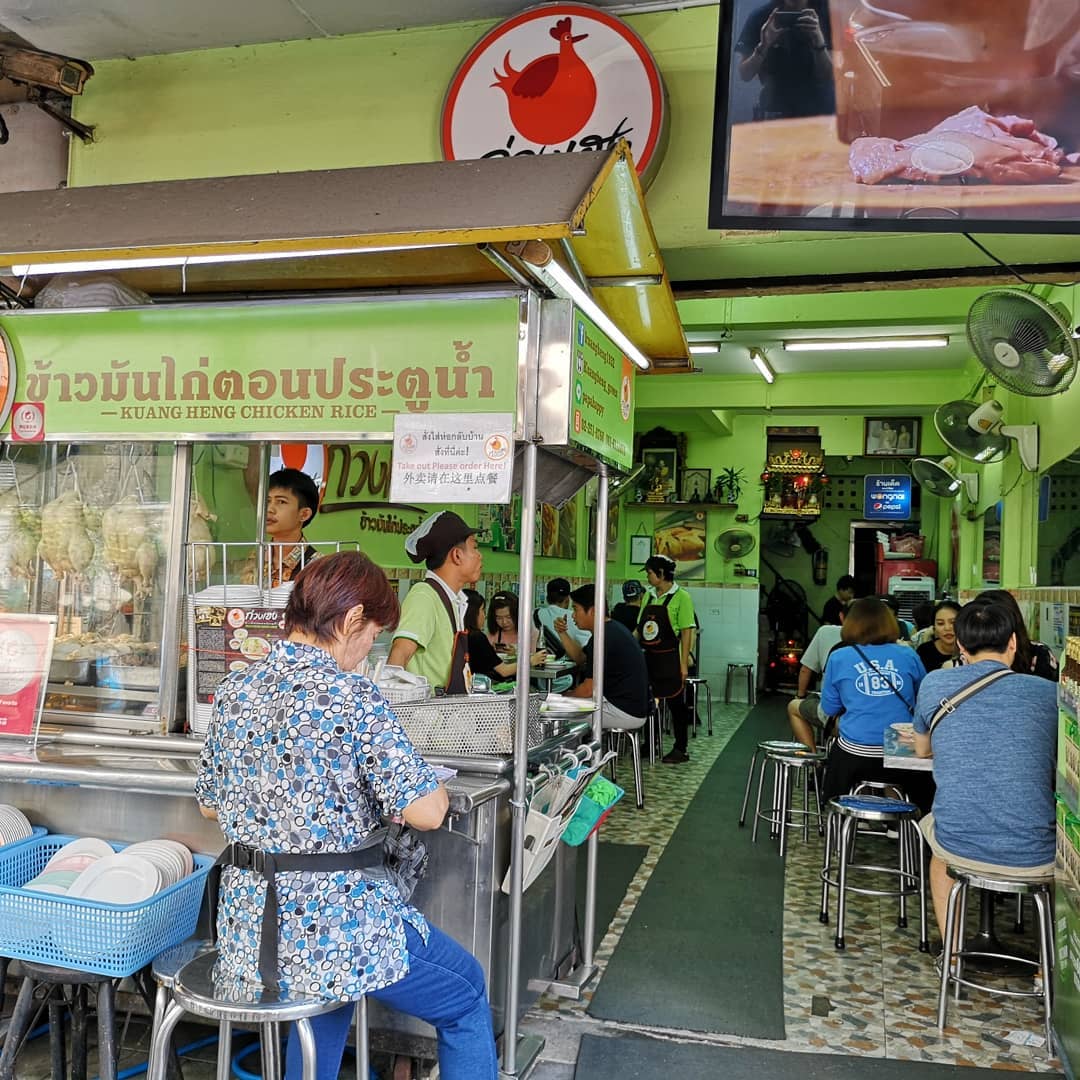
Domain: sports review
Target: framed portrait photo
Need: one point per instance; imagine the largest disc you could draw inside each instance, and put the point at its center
(892, 436)
(696, 485)
(661, 472)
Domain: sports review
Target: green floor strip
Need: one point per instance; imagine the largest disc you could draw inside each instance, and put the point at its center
(703, 950)
(633, 1057)
(616, 865)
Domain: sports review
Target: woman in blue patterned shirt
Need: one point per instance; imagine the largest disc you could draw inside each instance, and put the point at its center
(303, 757)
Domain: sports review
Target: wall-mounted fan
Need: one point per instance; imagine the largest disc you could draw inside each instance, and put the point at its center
(734, 544)
(1024, 342)
(979, 433)
(943, 478)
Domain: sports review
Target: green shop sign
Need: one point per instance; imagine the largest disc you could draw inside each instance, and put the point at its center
(602, 411)
(329, 370)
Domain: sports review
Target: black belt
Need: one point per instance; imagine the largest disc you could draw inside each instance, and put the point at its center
(369, 856)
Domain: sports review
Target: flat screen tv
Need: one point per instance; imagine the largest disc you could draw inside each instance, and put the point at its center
(898, 114)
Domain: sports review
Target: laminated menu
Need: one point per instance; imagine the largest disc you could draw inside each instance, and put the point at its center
(229, 639)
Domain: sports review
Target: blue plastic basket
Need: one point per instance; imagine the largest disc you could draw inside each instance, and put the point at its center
(89, 935)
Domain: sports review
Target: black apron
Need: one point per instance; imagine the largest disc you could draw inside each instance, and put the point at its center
(459, 678)
(662, 648)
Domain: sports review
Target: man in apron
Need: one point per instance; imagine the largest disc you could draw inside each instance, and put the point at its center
(666, 631)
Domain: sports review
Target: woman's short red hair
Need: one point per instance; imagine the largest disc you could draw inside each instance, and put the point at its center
(330, 586)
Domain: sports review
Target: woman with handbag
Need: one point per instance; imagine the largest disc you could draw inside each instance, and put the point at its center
(871, 681)
(302, 763)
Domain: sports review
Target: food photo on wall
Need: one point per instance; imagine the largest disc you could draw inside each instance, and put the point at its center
(681, 536)
(962, 116)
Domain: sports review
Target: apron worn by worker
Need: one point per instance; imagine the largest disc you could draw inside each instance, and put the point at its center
(459, 678)
(661, 645)
(395, 854)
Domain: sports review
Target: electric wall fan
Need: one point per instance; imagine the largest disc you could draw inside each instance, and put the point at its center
(734, 544)
(979, 432)
(1025, 343)
(943, 478)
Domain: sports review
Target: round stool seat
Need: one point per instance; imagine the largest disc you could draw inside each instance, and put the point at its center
(167, 965)
(1025, 886)
(873, 807)
(782, 745)
(197, 991)
(61, 976)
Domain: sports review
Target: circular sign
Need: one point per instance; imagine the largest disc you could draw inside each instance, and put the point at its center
(558, 78)
(309, 458)
(28, 422)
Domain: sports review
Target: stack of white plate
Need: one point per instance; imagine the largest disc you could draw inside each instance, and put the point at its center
(278, 597)
(69, 864)
(14, 825)
(173, 860)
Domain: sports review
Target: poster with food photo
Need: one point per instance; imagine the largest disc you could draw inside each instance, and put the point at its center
(558, 530)
(682, 536)
(918, 115)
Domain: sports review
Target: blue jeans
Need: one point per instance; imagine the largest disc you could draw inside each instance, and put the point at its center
(445, 988)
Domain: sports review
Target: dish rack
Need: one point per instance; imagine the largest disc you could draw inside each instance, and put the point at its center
(481, 724)
(90, 935)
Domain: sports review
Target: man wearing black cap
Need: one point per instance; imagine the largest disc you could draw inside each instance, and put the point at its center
(666, 630)
(628, 610)
(555, 618)
(434, 609)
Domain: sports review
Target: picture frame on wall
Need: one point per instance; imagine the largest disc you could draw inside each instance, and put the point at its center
(892, 436)
(661, 473)
(696, 484)
(640, 549)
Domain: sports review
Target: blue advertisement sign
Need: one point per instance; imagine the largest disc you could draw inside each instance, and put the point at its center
(887, 498)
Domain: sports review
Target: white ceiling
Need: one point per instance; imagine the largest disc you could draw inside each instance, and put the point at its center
(104, 29)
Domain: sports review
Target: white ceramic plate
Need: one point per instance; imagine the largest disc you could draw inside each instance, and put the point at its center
(904, 728)
(85, 845)
(118, 879)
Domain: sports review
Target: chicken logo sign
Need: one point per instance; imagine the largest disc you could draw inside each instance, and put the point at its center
(557, 79)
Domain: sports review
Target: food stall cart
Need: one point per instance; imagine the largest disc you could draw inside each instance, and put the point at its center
(485, 305)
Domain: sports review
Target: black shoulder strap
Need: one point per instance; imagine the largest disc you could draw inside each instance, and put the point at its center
(948, 705)
(888, 681)
(441, 592)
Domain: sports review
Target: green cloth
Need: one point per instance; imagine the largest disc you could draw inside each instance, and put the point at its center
(425, 620)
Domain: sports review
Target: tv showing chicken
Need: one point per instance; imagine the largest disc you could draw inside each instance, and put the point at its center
(912, 114)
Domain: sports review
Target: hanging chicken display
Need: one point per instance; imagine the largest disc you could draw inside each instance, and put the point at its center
(65, 541)
(552, 97)
(131, 550)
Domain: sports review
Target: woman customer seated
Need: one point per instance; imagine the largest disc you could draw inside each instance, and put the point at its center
(502, 623)
(941, 650)
(483, 659)
(305, 759)
(871, 681)
(1032, 657)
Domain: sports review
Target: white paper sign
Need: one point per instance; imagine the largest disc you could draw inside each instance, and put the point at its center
(452, 458)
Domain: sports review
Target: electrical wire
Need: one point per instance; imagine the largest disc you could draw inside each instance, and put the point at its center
(1012, 270)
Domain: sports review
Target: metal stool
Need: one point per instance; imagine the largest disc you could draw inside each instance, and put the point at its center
(844, 816)
(736, 669)
(165, 968)
(693, 684)
(196, 991)
(761, 748)
(804, 761)
(54, 980)
(1039, 891)
(635, 753)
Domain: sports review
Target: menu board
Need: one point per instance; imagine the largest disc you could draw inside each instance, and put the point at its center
(26, 644)
(229, 639)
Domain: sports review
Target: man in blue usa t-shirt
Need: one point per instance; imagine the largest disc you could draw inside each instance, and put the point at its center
(994, 761)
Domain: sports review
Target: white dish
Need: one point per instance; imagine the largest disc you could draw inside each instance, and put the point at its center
(118, 879)
(904, 728)
(85, 845)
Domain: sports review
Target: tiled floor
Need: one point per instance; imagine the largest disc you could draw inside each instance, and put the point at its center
(878, 995)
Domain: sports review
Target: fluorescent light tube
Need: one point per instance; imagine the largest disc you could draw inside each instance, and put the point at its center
(564, 283)
(703, 350)
(762, 365)
(83, 267)
(858, 344)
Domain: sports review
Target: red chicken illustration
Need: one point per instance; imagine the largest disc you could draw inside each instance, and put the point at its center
(552, 98)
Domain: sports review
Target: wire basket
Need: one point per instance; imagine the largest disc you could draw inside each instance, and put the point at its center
(90, 935)
(470, 725)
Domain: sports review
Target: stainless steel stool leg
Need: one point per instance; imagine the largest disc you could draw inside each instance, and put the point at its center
(751, 693)
(784, 802)
(757, 806)
(307, 1048)
(1045, 919)
(271, 1051)
(830, 830)
(708, 704)
(846, 829)
(749, 781)
(363, 1050)
(947, 952)
(224, 1052)
(639, 783)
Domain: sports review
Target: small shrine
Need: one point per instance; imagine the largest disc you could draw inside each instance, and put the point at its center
(794, 476)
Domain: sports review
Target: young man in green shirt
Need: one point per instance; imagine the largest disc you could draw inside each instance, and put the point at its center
(434, 609)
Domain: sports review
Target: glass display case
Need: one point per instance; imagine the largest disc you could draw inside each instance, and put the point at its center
(86, 532)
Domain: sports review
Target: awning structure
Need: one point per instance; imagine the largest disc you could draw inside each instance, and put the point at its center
(431, 225)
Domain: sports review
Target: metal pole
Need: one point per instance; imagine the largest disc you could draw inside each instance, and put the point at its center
(521, 764)
(599, 635)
